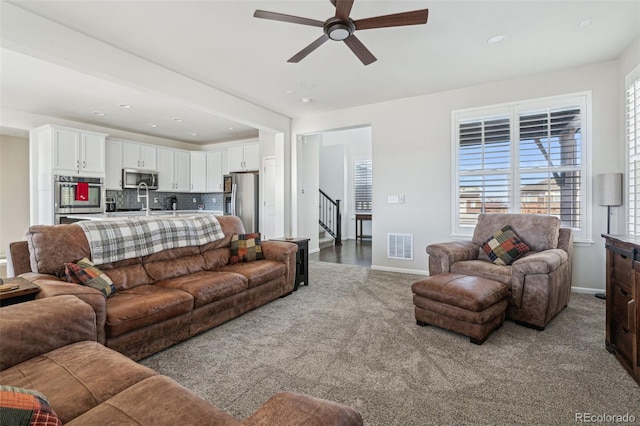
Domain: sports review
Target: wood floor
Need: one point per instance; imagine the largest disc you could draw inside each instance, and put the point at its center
(350, 253)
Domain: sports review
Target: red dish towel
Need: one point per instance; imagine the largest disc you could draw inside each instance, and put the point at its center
(82, 191)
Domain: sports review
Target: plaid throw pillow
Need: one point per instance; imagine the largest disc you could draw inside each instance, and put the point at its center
(504, 247)
(245, 248)
(85, 273)
(26, 407)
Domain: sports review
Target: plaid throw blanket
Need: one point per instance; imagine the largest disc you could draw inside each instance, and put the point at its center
(110, 241)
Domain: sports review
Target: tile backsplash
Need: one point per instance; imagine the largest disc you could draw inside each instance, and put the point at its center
(127, 199)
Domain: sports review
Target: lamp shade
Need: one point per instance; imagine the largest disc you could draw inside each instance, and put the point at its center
(609, 189)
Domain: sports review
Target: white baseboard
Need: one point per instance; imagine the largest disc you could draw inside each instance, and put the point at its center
(400, 270)
(314, 251)
(587, 290)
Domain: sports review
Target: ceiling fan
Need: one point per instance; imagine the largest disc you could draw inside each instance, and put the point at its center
(341, 27)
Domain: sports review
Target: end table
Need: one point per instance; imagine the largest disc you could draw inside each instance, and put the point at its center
(26, 291)
(302, 259)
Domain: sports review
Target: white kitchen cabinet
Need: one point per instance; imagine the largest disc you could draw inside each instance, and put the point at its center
(214, 172)
(77, 152)
(244, 158)
(139, 156)
(59, 150)
(198, 172)
(182, 175)
(113, 168)
(173, 170)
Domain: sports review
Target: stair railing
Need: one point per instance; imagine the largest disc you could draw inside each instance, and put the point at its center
(331, 217)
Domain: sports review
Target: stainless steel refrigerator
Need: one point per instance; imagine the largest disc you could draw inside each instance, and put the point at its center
(241, 198)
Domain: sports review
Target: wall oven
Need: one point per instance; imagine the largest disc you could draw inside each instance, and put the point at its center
(76, 194)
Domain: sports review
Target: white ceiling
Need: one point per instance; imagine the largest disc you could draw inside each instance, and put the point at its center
(220, 44)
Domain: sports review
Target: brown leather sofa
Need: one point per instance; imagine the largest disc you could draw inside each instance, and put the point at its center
(50, 346)
(539, 282)
(162, 298)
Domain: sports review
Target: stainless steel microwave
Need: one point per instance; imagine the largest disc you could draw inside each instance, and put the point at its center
(131, 178)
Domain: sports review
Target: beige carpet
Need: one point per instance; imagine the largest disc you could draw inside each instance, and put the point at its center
(351, 337)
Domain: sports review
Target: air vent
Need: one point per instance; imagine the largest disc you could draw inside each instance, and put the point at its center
(400, 246)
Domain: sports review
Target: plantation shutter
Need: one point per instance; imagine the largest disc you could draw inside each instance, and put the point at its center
(484, 162)
(524, 157)
(632, 124)
(362, 179)
(550, 164)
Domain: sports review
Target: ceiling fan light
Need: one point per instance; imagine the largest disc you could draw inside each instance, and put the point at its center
(339, 33)
(338, 30)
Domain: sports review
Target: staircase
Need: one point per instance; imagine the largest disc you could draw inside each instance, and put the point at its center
(330, 220)
(324, 239)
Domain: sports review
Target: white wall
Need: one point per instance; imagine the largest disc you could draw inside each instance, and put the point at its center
(14, 190)
(306, 190)
(412, 150)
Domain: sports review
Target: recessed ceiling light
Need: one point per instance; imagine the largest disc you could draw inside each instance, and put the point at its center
(496, 38)
(584, 23)
(230, 128)
(152, 125)
(193, 133)
(289, 91)
(178, 119)
(99, 113)
(307, 85)
(127, 106)
(306, 100)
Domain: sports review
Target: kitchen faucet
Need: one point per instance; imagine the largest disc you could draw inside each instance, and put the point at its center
(145, 196)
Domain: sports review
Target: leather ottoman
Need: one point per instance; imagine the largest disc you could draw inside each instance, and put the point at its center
(472, 306)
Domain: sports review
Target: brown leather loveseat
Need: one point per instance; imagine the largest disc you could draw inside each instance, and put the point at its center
(165, 297)
(49, 346)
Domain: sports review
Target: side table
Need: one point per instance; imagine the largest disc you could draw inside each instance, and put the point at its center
(302, 259)
(26, 291)
(361, 217)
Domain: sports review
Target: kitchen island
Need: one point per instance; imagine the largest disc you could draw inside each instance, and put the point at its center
(142, 213)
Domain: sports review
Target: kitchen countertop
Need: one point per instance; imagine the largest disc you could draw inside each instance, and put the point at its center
(153, 213)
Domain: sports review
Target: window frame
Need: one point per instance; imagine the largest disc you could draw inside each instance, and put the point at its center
(514, 110)
(355, 195)
(632, 77)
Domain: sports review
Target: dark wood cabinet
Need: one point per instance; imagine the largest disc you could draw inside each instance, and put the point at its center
(623, 290)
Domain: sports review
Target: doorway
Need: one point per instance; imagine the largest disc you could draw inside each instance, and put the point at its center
(332, 157)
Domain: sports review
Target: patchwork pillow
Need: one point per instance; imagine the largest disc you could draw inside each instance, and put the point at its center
(26, 407)
(85, 273)
(504, 247)
(245, 248)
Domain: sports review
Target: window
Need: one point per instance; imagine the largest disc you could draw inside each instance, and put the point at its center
(362, 180)
(528, 157)
(632, 125)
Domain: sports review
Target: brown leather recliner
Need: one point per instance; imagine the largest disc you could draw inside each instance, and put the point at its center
(539, 281)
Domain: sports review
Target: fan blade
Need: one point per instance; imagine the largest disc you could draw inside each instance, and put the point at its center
(343, 9)
(287, 18)
(360, 50)
(310, 48)
(415, 17)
